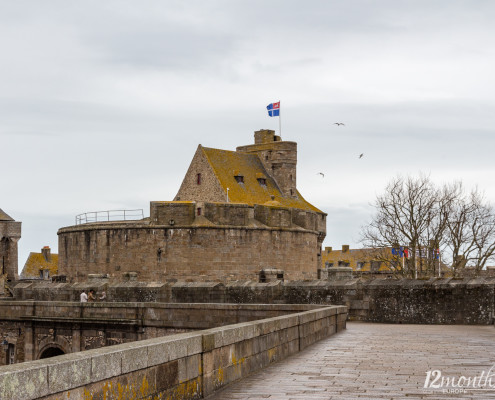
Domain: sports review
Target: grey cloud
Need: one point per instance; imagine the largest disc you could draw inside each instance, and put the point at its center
(107, 101)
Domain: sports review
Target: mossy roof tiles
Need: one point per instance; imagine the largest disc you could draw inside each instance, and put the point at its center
(36, 261)
(227, 164)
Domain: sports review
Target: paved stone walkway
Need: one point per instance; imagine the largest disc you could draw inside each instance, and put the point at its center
(376, 361)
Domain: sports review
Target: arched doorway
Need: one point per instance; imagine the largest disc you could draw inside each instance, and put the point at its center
(51, 352)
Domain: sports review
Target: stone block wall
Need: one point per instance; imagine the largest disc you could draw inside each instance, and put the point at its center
(214, 253)
(185, 366)
(436, 301)
(172, 213)
(441, 301)
(10, 233)
(306, 219)
(208, 189)
(273, 216)
(228, 213)
(34, 328)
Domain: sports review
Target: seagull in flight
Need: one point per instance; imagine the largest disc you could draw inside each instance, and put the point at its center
(339, 123)
(321, 173)
(361, 155)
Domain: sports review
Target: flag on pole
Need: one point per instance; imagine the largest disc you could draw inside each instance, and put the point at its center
(273, 109)
(401, 252)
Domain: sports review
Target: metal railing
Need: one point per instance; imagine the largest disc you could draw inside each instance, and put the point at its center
(109, 215)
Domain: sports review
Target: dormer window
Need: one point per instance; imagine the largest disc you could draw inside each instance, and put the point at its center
(261, 178)
(239, 178)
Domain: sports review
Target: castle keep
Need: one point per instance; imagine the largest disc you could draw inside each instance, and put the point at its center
(237, 216)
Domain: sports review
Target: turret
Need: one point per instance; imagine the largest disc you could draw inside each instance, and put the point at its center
(278, 157)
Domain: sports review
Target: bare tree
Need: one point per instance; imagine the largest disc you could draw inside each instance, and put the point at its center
(470, 233)
(414, 213)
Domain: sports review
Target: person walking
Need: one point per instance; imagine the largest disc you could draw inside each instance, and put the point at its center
(84, 297)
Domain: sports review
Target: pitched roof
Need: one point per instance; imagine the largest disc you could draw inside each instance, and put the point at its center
(36, 261)
(227, 164)
(4, 216)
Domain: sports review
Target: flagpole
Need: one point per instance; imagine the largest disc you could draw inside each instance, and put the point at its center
(439, 265)
(279, 120)
(416, 264)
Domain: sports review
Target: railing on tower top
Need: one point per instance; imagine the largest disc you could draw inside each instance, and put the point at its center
(109, 215)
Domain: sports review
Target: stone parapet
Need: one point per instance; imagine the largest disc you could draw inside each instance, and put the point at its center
(443, 301)
(184, 366)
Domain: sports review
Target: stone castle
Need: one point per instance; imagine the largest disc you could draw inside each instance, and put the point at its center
(237, 216)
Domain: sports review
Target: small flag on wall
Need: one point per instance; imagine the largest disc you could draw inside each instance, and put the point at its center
(273, 109)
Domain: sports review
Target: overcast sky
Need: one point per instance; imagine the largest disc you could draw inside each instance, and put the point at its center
(102, 104)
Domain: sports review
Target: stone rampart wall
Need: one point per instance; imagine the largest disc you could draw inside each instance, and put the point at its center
(186, 253)
(34, 328)
(165, 315)
(437, 301)
(185, 366)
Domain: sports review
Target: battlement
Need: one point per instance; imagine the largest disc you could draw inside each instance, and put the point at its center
(266, 136)
(193, 214)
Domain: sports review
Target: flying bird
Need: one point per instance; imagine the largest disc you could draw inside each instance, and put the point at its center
(321, 173)
(361, 155)
(339, 123)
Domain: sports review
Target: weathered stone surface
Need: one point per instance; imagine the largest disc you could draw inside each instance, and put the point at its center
(446, 301)
(106, 363)
(24, 381)
(134, 356)
(70, 371)
(185, 366)
(189, 367)
(10, 233)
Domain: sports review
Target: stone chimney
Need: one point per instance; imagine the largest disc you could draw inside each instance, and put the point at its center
(345, 248)
(46, 253)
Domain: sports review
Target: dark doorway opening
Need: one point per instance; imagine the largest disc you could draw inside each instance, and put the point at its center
(51, 352)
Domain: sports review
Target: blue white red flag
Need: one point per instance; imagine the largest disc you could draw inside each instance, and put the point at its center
(273, 109)
(401, 252)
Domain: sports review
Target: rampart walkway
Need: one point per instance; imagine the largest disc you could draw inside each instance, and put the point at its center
(379, 361)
